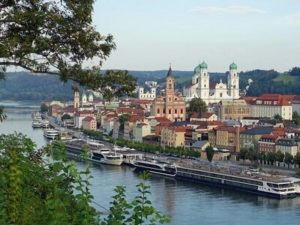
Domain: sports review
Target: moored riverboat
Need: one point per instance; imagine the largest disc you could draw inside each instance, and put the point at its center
(235, 178)
(155, 167)
(51, 133)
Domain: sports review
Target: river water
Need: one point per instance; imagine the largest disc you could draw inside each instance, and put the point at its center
(187, 203)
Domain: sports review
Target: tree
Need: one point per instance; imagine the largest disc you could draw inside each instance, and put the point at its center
(251, 155)
(57, 37)
(288, 159)
(44, 107)
(296, 118)
(243, 153)
(197, 105)
(278, 118)
(141, 207)
(66, 117)
(270, 157)
(279, 156)
(261, 156)
(209, 153)
(295, 71)
(297, 159)
(122, 119)
(2, 114)
(34, 191)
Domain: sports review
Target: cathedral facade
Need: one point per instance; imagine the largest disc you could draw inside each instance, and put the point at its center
(201, 87)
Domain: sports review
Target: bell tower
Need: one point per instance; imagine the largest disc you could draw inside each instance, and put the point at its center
(170, 86)
(233, 81)
(76, 90)
(203, 88)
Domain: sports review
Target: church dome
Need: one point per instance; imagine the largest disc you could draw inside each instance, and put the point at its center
(197, 69)
(233, 66)
(203, 65)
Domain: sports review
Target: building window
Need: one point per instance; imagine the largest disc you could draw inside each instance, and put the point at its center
(170, 86)
(175, 110)
(170, 111)
(181, 111)
(221, 95)
(164, 111)
(158, 111)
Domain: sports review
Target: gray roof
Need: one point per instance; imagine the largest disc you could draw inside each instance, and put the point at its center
(199, 144)
(258, 131)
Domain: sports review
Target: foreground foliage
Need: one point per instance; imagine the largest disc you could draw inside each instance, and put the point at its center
(57, 37)
(36, 190)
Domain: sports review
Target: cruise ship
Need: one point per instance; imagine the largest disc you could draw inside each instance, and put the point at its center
(51, 133)
(237, 178)
(97, 153)
(155, 167)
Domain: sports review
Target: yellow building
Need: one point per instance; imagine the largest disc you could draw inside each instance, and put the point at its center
(89, 123)
(173, 136)
(225, 138)
(233, 109)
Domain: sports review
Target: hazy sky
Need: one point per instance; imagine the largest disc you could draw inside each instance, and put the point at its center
(150, 34)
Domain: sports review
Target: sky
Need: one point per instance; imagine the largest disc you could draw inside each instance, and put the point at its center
(152, 34)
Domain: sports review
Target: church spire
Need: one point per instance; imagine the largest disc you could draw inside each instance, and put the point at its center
(169, 74)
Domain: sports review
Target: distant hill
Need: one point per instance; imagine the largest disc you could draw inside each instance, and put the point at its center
(26, 86)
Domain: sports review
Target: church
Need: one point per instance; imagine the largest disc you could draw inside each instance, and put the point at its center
(170, 105)
(201, 87)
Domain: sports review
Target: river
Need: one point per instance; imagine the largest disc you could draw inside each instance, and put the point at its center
(187, 203)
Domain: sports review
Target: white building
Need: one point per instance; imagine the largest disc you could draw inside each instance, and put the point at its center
(200, 87)
(149, 95)
(141, 130)
(269, 105)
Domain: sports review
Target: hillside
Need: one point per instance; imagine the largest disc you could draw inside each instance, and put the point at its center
(25, 86)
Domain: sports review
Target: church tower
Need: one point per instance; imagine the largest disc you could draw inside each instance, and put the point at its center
(170, 82)
(76, 97)
(233, 81)
(203, 85)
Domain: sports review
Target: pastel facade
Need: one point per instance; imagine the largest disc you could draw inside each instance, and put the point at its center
(171, 105)
(233, 109)
(141, 130)
(89, 123)
(173, 136)
(286, 145)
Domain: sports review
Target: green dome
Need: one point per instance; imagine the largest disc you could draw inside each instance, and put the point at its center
(233, 66)
(197, 69)
(203, 65)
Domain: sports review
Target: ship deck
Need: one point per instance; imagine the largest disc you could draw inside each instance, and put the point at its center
(232, 170)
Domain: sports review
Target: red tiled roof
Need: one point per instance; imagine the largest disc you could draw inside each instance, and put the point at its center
(88, 119)
(162, 120)
(269, 136)
(207, 115)
(270, 99)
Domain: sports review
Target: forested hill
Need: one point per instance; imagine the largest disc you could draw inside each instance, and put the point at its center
(26, 86)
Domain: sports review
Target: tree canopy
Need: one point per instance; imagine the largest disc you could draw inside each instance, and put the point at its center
(57, 37)
(209, 153)
(35, 190)
(197, 105)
